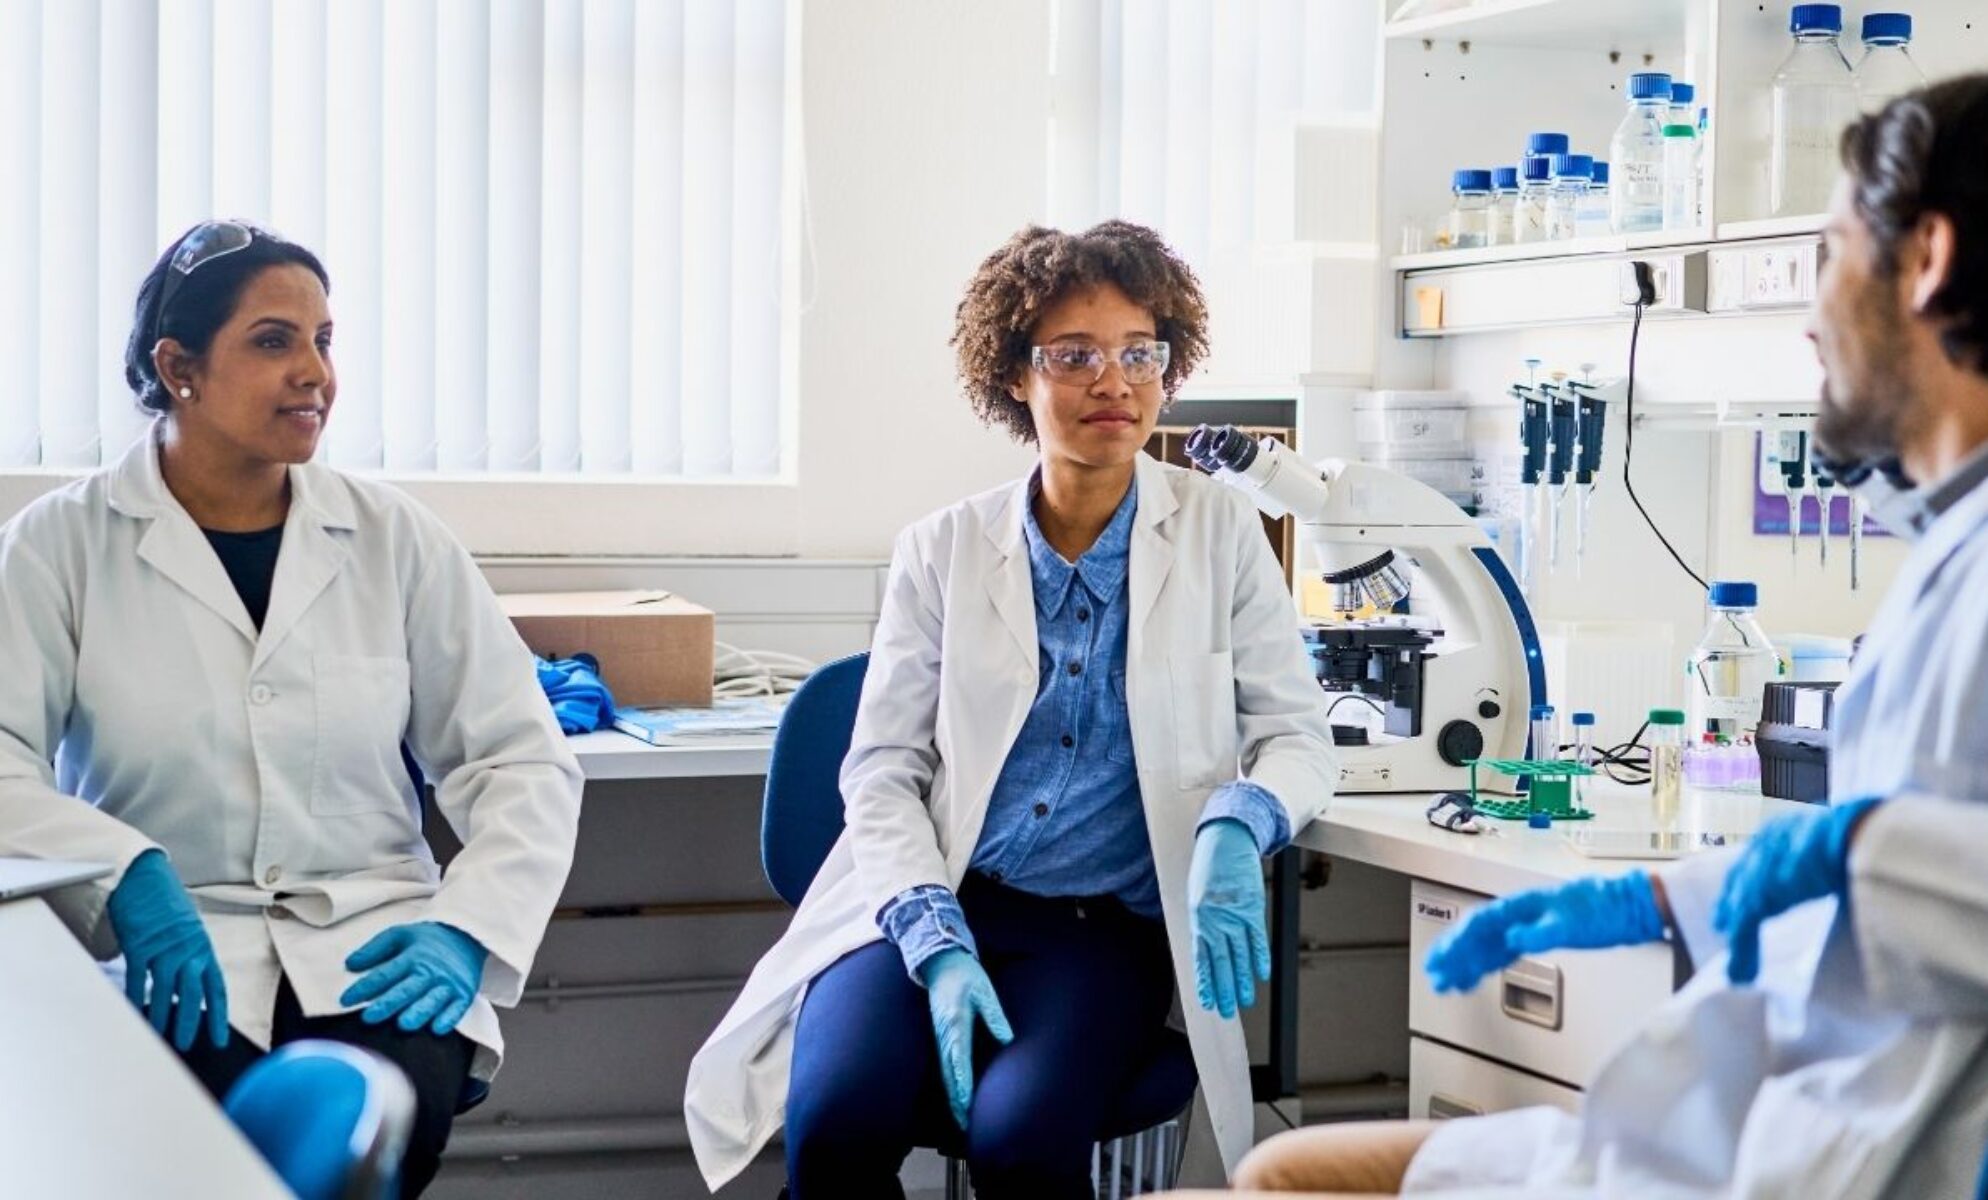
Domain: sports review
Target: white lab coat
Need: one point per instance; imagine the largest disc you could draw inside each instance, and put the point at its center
(268, 767)
(1215, 674)
(1856, 1068)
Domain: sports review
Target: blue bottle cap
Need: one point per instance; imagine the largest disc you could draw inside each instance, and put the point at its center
(1470, 180)
(1504, 178)
(1584, 718)
(1539, 820)
(1815, 18)
(1573, 166)
(1541, 711)
(1600, 171)
(1888, 29)
(1546, 143)
(1729, 593)
(1682, 93)
(1536, 169)
(1649, 85)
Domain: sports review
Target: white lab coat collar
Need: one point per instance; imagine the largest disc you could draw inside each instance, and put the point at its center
(1008, 578)
(321, 516)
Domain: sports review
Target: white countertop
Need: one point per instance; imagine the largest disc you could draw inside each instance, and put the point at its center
(1392, 832)
(93, 1102)
(611, 754)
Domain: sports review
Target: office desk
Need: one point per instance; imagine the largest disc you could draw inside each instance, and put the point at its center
(92, 1102)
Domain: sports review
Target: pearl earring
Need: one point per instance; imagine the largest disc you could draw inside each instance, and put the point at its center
(186, 393)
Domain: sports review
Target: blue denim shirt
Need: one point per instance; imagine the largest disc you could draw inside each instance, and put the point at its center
(1065, 817)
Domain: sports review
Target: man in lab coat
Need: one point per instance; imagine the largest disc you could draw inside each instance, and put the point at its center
(1834, 1042)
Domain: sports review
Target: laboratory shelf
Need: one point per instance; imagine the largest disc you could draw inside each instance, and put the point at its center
(1735, 231)
(1618, 25)
(1568, 248)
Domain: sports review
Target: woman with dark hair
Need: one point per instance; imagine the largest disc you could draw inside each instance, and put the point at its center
(216, 652)
(1046, 828)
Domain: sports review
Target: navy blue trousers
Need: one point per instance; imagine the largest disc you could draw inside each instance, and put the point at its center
(1087, 987)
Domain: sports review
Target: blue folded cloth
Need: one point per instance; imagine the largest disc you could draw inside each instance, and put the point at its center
(579, 699)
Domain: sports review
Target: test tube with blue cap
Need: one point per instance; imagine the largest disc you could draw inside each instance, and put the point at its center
(1584, 751)
(1545, 734)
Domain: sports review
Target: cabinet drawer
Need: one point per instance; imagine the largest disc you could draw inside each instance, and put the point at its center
(1558, 1015)
(1444, 1082)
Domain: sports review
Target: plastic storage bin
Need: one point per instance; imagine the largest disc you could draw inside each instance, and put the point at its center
(1405, 425)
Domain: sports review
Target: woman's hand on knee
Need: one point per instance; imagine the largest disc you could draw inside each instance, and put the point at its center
(960, 994)
(1225, 913)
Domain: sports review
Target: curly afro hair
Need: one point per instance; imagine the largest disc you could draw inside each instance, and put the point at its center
(1038, 267)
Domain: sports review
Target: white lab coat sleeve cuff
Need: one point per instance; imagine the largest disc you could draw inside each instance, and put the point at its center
(1692, 890)
(1917, 896)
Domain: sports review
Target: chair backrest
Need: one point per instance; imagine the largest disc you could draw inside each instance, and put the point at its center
(332, 1119)
(802, 814)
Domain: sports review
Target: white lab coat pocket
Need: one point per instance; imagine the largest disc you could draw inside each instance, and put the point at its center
(362, 709)
(1204, 717)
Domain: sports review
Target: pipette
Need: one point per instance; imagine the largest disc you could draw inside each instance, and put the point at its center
(1561, 401)
(1856, 540)
(1534, 428)
(1794, 478)
(1591, 414)
(1825, 485)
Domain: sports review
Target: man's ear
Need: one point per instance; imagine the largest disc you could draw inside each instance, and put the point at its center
(1935, 242)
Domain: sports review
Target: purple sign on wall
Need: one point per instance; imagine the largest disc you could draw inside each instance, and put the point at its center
(1770, 508)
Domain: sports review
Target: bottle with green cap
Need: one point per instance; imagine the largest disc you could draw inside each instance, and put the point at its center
(1666, 735)
(1680, 177)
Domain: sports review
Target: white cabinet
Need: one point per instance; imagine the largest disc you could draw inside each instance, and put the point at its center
(1445, 1083)
(1554, 1017)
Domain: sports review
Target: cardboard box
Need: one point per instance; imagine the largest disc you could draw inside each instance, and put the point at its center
(655, 648)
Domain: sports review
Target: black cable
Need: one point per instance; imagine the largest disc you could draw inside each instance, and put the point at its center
(1629, 445)
(1369, 701)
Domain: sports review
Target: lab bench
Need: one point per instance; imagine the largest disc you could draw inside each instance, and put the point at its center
(94, 1103)
(1537, 1031)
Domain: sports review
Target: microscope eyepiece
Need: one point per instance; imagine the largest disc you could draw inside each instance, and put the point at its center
(1220, 447)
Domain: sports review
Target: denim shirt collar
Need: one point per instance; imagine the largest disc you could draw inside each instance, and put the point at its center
(1103, 567)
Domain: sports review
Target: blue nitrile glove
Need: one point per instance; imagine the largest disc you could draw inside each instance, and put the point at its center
(579, 699)
(1788, 861)
(166, 946)
(1225, 916)
(960, 993)
(427, 972)
(1588, 914)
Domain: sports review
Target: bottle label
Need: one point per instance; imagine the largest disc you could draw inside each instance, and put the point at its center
(1729, 708)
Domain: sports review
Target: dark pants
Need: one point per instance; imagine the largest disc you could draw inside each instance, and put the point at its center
(1087, 987)
(437, 1066)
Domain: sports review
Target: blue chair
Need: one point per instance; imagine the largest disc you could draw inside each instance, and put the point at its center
(332, 1119)
(800, 820)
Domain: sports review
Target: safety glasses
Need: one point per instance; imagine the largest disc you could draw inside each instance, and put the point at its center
(1141, 362)
(207, 242)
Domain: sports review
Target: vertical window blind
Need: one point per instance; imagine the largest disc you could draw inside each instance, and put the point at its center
(556, 229)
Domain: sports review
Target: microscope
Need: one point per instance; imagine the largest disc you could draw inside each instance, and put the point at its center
(1432, 651)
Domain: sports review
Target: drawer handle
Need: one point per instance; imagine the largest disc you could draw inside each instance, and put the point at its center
(1531, 993)
(1448, 1108)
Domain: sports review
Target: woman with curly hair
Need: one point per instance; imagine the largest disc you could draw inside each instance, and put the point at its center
(1046, 826)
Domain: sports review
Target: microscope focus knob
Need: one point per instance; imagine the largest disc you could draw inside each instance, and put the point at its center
(1459, 743)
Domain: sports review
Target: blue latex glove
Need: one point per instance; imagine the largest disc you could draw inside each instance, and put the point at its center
(166, 946)
(959, 991)
(426, 972)
(1788, 861)
(1225, 916)
(579, 699)
(1587, 914)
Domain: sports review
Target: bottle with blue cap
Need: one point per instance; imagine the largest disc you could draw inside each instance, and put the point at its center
(1504, 203)
(1470, 213)
(1886, 71)
(1730, 668)
(1570, 189)
(1591, 219)
(1636, 155)
(1815, 95)
(1535, 185)
(1683, 103)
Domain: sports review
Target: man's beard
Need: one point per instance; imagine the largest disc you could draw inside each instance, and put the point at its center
(1867, 417)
